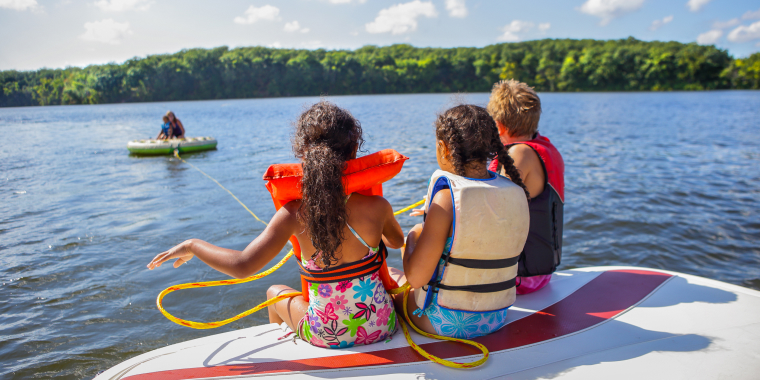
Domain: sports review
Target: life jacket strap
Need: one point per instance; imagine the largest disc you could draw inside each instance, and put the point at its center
(480, 288)
(484, 264)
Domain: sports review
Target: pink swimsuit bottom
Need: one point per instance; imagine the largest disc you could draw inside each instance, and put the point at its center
(531, 284)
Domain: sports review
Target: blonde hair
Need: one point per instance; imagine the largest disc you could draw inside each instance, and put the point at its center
(516, 106)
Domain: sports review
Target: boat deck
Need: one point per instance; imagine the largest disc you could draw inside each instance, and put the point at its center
(592, 322)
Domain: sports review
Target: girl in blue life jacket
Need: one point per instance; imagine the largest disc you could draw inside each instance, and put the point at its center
(166, 130)
(462, 261)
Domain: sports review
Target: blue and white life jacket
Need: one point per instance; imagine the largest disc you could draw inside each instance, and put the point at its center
(490, 227)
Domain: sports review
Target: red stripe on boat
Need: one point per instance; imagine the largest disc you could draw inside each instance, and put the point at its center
(602, 298)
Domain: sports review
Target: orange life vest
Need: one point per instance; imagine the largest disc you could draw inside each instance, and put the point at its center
(364, 175)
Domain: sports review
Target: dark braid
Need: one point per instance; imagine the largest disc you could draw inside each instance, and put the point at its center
(326, 137)
(508, 164)
(472, 137)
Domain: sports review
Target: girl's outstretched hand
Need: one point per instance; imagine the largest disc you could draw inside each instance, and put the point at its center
(181, 252)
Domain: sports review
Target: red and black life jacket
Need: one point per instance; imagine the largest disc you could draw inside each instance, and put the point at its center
(543, 249)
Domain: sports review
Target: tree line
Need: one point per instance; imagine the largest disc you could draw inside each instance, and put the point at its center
(257, 72)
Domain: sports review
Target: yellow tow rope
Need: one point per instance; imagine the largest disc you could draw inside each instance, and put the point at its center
(176, 154)
(448, 363)
(404, 288)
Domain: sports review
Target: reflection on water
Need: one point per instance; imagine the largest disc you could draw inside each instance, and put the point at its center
(662, 180)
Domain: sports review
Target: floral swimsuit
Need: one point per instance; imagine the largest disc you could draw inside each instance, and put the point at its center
(348, 313)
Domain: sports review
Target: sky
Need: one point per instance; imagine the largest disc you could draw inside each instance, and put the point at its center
(60, 33)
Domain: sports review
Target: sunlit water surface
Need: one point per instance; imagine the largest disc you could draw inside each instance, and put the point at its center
(662, 180)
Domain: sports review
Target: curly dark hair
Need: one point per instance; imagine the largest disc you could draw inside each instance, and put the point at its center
(326, 136)
(472, 136)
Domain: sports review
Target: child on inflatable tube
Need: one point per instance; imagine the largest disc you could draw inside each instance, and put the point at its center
(333, 230)
(166, 130)
(462, 262)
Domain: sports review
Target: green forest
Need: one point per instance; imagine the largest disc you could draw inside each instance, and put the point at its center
(257, 72)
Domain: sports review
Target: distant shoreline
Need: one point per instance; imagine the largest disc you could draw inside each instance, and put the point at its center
(550, 65)
(396, 94)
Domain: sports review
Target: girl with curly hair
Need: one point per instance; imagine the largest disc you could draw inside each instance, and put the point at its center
(333, 229)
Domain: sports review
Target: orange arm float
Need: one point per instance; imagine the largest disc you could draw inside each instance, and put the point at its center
(364, 175)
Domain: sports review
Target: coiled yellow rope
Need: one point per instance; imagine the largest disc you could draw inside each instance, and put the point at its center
(211, 325)
(404, 288)
(448, 363)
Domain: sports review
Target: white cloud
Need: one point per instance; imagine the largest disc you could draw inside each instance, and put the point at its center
(123, 5)
(253, 14)
(456, 8)
(275, 45)
(18, 5)
(745, 33)
(401, 18)
(107, 31)
(726, 24)
(656, 24)
(709, 38)
(750, 15)
(609, 9)
(512, 29)
(544, 26)
(346, 1)
(696, 5)
(294, 26)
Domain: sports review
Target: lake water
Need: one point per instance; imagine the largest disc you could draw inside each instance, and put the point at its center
(661, 180)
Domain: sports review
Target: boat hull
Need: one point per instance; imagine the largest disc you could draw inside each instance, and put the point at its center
(592, 322)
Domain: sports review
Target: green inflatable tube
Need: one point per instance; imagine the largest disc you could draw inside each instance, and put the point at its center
(160, 147)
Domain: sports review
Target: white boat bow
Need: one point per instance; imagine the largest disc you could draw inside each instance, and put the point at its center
(620, 322)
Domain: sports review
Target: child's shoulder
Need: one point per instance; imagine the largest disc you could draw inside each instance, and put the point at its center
(523, 152)
(443, 198)
(520, 148)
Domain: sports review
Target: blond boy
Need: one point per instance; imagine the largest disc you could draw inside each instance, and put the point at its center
(516, 108)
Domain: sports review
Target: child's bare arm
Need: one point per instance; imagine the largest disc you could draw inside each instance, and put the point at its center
(393, 235)
(238, 264)
(530, 168)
